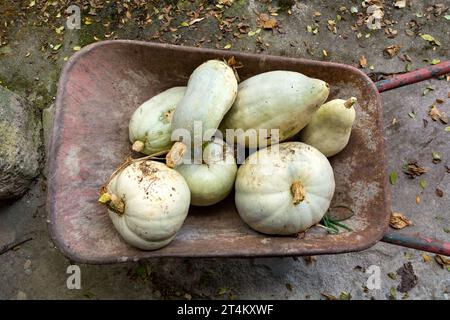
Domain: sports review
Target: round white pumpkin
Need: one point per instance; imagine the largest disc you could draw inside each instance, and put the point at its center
(211, 180)
(147, 203)
(286, 191)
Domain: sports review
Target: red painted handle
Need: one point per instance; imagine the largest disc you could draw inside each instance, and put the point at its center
(414, 76)
(417, 242)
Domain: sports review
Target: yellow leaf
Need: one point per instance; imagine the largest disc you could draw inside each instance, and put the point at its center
(76, 48)
(227, 46)
(399, 221)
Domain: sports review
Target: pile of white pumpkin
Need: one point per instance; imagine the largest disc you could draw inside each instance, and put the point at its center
(282, 193)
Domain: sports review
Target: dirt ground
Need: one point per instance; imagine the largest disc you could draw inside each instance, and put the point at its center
(35, 43)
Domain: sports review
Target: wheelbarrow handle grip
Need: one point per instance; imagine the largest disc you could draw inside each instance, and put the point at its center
(417, 242)
(414, 76)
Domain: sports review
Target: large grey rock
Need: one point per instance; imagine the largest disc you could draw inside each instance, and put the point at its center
(20, 144)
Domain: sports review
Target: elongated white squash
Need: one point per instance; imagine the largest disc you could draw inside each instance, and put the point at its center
(210, 93)
(330, 127)
(280, 100)
(149, 128)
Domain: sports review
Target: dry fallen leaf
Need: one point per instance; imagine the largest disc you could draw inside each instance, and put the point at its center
(439, 192)
(399, 221)
(400, 4)
(443, 261)
(328, 296)
(425, 257)
(391, 33)
(436, 114)
(267, 22)
(363, 62)
(225, 2)
(412, 169)
(391, 51)
(418, 200)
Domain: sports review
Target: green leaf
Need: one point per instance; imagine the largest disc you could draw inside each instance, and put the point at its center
(392, 275)
(57, 46)
(184, 24)
(435, 61)
(393, 177)
(354, 9)
(408, 67)
(446, 230)
(447, 129)
(88, 295)
(222, 291)
(447, 17)
(345, 296)
(436, 156)
(393, 293)
(227, 46)
(427, 89)
(430, 39)
(423, 184)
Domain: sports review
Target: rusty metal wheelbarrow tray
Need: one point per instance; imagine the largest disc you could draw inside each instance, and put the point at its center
(102, 85)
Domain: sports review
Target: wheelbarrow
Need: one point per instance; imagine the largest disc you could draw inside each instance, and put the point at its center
(101, 86)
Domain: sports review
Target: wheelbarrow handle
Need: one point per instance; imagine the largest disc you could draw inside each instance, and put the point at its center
(415, 241)
(414, 76)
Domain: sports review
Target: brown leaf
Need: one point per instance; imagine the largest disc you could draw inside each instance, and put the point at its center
(436, 114)
(363, 62)
(443, 261)
(328, 296)
(425, 257)
(439, 193)
(267, 22)
(412, 169)
(399, 221)
(309, 259)
(391, 51)
(391, 33)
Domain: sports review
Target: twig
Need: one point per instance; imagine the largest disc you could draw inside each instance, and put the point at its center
(7, 247)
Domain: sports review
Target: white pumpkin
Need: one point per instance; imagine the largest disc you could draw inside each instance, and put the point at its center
(149, 128)
(330, 127)
(286, 191)
(147, 203)
(211, 180)
(275, 100)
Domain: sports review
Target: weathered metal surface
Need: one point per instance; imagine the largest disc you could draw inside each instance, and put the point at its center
(414, 76)
(102, 85)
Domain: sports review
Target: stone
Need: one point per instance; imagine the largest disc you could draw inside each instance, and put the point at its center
(20, 144)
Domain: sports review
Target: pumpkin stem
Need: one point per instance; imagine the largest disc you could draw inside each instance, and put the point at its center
(298, 192)
(175, 156)
(113, 202)
(138, 146)
(350, 102)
